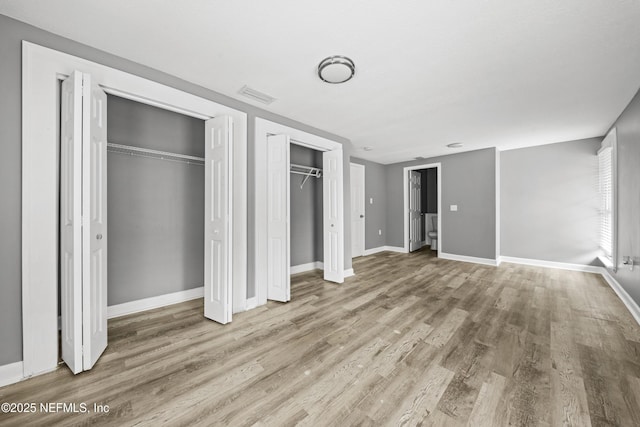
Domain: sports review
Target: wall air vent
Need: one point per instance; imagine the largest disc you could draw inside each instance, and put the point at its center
(256, 95)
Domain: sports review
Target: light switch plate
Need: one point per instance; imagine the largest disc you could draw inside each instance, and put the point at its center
(453, 208)
(371, 200)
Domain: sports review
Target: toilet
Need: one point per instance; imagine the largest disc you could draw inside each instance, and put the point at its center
(433, 234)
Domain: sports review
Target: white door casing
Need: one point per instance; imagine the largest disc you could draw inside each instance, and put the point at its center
(333, 216)
(71, 221)
(42, 71)
(94, 215)
(278, 218)
(357, 210)
(218, 284)
(415, 211)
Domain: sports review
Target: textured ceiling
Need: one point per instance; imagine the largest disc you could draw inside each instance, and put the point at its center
(481, 72)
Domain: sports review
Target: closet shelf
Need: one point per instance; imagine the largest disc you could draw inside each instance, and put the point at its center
(307, 171)
(154, 154)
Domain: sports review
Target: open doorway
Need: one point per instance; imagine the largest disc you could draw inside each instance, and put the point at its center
(155, 227)
(273, 219)
(422, 206)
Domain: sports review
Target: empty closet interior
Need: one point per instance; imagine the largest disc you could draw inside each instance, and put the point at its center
(155, 192)
(155, 201)
(306, 208)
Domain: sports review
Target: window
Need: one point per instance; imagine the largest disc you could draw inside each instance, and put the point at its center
(606, 181)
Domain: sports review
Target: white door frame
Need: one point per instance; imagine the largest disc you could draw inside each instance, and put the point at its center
(264, 128)
(405, 192)
(364, 197)
(42, 68)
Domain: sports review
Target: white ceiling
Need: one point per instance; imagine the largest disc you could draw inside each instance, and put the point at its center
(482, 72)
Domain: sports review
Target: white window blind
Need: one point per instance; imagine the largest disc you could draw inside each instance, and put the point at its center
(607, 187)
(605, 173)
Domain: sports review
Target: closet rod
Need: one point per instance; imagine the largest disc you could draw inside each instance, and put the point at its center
(154, 154)
(307, 171)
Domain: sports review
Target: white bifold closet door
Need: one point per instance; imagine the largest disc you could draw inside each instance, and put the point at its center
(218, 219)
(278, 213)
(333, 216)
(83, 221)
(415, 211)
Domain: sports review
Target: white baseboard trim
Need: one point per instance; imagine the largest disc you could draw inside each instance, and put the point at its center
(464, 258)
(11, 373)
(153, 302)
(552, 264)
(317, 265)
(372, 251)
(626, 299)
(631, 305)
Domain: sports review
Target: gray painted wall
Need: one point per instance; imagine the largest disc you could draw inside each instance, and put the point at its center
(628, 131)
(12, 33)
(468, 180)
(549, 202)
(306, 209)
(374, 214)
(156, 207)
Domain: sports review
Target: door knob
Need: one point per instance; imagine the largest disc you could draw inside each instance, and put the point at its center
(99, 236)
(361, 216)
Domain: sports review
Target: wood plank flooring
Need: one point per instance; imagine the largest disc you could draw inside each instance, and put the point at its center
(410, 340)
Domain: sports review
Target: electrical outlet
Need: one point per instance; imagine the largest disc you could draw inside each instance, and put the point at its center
(379, 232)
(453, 208)
(371, 200)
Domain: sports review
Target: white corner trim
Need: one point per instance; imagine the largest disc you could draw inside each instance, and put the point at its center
(11, 373)
(552, 264)
(153, 302)
(631, 305)
(372, 251)
(396, 249)
(252, 303)
(349, 273)
(464, 258)
(301, 268)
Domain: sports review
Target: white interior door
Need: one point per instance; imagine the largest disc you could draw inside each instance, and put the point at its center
(71, 221)
(278, 225)
(94, 214)
(415, 211)
(333, 216)
(357, 210)
(218, 281)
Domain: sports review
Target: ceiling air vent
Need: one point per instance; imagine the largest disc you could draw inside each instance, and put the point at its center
(256, 95)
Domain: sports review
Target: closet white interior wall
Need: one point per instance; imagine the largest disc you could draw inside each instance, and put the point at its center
(41, 71)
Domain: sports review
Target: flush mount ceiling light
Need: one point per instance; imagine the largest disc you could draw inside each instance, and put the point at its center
(336, 69)
(455, 145)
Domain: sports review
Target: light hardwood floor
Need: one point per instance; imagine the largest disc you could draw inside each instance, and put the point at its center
(410, 340)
